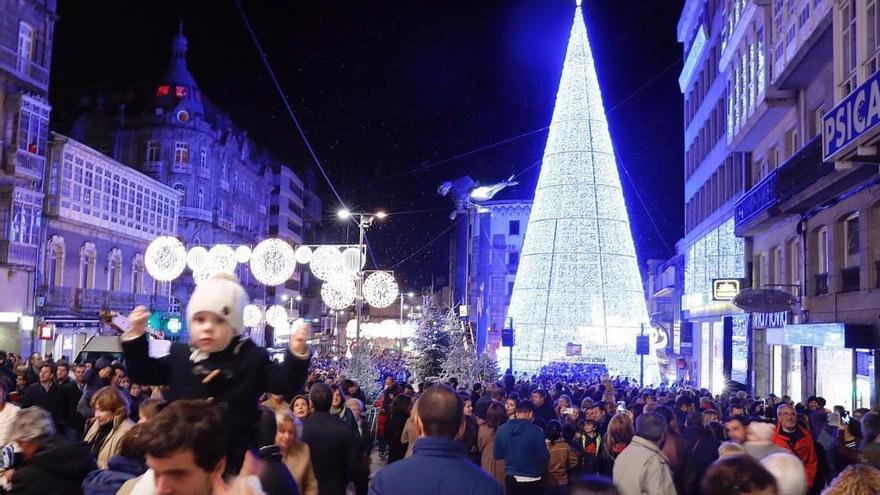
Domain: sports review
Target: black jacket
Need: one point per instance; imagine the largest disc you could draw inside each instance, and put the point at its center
(51, 400)
(334, 454)
(246, 372)
(58, 468)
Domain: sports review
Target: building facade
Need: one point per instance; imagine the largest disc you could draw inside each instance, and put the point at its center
(809, 216)
(100, 215)
(26, 33)
(495, 236)
(799, 77)
(664, 284)
(176, 136)
(714, 175)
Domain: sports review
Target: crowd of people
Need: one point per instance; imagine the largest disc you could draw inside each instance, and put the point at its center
(218, 416)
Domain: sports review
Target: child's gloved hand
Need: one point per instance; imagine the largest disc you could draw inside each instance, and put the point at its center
(137, 322)
(298, 339)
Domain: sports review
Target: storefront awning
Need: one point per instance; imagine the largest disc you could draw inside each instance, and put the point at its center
(836, 335)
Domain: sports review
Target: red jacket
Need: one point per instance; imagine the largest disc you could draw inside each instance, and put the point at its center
(804, 448)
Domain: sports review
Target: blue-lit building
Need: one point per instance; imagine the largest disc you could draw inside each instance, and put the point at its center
(100, 215)
(26, 34)
(174, 134)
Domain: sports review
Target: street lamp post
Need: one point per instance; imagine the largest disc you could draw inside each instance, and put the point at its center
(364, 221)
(400, 327)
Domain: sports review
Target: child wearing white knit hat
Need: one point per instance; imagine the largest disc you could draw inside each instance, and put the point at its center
(218, 363)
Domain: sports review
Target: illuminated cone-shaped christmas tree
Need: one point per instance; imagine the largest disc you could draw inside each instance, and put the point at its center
(578, 279)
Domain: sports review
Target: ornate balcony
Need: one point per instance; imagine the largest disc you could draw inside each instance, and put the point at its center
(57, 298)
(16, 253)
(26, 70)
(226, 223)
(796, 174)
(26, 165)
(195, 213)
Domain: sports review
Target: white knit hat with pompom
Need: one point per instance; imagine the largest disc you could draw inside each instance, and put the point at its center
(220, 294)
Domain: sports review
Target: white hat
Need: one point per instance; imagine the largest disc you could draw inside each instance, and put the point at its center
(220, 294)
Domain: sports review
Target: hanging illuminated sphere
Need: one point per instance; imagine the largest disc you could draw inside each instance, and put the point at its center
(201, 276)
(272, 262)
(341, 279)
(276, 315)
(165, 258)
(197, 258)
(325, 261)
(303, 255)
(221, 258)
(380, 289)
(352, 261)
(252, 315)
(243, 254)
(282, 328)
(338, 297)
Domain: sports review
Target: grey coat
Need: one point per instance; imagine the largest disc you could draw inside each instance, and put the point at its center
(642, 469)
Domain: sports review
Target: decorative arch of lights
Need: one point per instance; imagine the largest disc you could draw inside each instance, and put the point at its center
(272, 262)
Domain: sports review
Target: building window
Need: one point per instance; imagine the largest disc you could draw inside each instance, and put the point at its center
(513, 258)
(137, 274)
(513, 227)
(200, 199)
(203, 161)
(794, 263)
(181, 153)
(33, 125)
(114, 270)
(778, 268)
(182, 190)
(26, 45)
(822, 250)
(791, 142)
(851, 239)
(848, 45)
(55, 261)
(509, 288)
(152, 151)
(87, 259)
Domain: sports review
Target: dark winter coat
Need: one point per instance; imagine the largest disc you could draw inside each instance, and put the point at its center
(245, 373)
(438, 466)
(58, 468)
(335, 458)
(393, 431)
(521, 444)
(51, 400)
(108, 481)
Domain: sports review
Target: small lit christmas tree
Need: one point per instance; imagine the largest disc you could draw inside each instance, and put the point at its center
(431, 343)
(362, 370)
(461, 361)
(487, 367)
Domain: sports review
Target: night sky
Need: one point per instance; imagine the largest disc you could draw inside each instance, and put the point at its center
(396, 97)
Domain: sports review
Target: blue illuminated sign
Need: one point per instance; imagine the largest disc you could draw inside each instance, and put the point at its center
(855, 115)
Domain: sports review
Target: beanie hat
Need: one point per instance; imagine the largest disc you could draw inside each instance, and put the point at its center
(220, 294)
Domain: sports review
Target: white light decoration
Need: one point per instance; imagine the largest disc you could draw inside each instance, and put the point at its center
(380, 289)
(325, 261)
(352, 261)
(272, 262)
(303, 255)
(341, 279)
(201, 276)
(276, 315)
(282, 329)
(578, 279)
(252, 315)
(221, 258)
(197, 258)
(338, 297)
(243, 254)
(165, 258)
